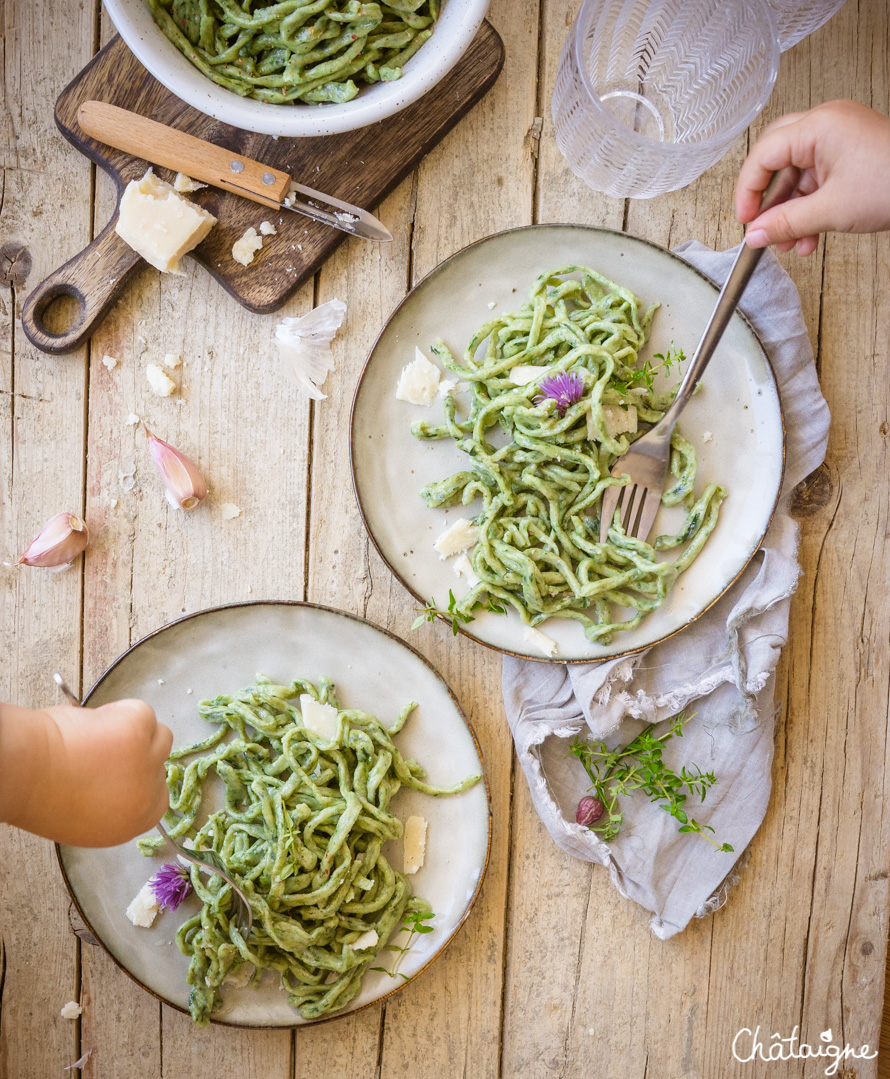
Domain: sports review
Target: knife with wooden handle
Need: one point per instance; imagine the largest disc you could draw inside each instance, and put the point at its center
(219, 167)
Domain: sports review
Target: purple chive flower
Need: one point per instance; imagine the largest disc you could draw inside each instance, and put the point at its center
(564, 389)
(171, 885)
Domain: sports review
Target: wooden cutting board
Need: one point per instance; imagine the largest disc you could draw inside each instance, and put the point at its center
(361, 167)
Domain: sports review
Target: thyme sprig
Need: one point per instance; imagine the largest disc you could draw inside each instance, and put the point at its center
(639, 766)
(645, 375)
(432, 611)
(414, 923)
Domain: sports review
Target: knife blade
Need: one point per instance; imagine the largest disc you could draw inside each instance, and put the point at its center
(215, 165)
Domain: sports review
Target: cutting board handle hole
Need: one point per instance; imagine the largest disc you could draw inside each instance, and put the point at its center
(60, 311)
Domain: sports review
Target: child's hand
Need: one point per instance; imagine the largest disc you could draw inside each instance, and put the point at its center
(91, 777)
(843, 149)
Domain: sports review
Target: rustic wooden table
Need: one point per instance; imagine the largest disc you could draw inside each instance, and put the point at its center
(553, 974)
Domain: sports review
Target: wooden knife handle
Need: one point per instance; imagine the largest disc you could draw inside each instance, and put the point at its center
(94, 279)
(173, 149)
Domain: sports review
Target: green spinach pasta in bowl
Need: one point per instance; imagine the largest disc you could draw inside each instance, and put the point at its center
(557, 393)
(297, 51)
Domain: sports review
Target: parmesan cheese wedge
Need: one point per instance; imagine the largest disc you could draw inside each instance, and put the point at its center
(159, 224)
(460, 536)
(415, 843)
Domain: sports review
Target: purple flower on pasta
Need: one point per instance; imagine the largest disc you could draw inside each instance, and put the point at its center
(171, 885)
(564, 389)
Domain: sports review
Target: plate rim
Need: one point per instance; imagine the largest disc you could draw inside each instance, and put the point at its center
(461, 628)
(485, 864)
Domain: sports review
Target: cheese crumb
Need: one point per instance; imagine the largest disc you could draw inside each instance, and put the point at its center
(541, 641)
(707, 436)
(368, 939)
(229, 510)
(418, 381)
(144, 908)
(110, 362)
(161, 384)
(460, 536)
(616, 420)
(267, 228)
(185, 183)
(463, 567)
(244, 249)
(415, 843)
(523, 373)
(159, 224)
(172, 360)
(320, 719)
(132, 419)
(72, 1010)
(492, 304)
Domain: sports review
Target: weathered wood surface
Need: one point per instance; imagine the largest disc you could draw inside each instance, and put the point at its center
(553, 975)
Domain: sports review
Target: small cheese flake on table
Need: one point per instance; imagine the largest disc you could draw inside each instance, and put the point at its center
(185, 183)
(159, 224)
(71, 1010)
(458, 537)
(267, 228)
(229, 511)
(244, 249)
(161, 384)
(172, 360)
(419, 381)
(110, 362)
(415, 843)
(132, 419)
(144, 908)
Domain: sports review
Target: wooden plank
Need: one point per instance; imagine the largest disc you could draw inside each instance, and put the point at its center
(41, 472)
(447, 1023)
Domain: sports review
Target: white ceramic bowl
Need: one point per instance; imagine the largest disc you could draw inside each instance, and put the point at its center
(455, 29)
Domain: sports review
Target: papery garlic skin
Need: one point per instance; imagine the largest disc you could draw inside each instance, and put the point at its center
(58, 543)
(184, 485)
(305, 345)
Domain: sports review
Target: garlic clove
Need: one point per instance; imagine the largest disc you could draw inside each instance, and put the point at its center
(184, 485)
(58, 543)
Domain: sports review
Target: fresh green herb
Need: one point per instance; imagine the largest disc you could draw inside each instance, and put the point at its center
(639, 766)
(431, 611)
(414, 923)
(645, 375)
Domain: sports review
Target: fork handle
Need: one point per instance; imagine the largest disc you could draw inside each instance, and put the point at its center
(780, 188)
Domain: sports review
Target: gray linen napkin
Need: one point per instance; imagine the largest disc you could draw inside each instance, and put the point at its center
(721, 667)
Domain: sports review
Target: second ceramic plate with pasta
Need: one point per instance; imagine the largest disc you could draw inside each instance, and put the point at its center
(221, 651)
(734, 424)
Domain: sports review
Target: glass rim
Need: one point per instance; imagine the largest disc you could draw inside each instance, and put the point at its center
(725, 138)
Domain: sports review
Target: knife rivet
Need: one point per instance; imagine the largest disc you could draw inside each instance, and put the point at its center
(268, 179)
(237, 166)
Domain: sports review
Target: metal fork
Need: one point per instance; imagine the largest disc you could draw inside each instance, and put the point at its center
(646, 462)
(208, 860)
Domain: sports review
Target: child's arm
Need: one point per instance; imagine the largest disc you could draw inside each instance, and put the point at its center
(843, 149)
(91, 777)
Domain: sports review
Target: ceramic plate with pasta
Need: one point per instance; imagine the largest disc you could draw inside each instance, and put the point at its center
(489, 416)
(333, 772)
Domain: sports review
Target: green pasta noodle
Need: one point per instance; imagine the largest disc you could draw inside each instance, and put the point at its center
(301, 832)
(297, 51)
(542, 476)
